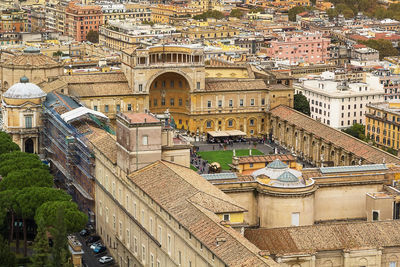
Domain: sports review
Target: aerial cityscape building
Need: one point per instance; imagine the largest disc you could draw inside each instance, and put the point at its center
(199, 133)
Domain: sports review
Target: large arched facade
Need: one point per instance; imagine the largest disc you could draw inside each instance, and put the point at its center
(171, 91)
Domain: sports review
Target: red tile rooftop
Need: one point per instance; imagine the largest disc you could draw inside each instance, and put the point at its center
(139, 117)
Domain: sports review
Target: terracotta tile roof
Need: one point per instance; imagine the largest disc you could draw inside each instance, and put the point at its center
(55, 85)
(265, 158)
(34, 60)
(357, 147)
(104, 142)
(234, 85)
(192, 201)
(325, 237)
(139, 117)
(101, 84)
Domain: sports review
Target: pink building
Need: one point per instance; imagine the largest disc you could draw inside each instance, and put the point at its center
(304, 47)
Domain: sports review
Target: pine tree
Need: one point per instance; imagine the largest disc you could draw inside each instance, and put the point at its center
(42, 250)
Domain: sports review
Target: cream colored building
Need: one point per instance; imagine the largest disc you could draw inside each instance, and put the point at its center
(163, 214)
(21, 108)
(35, 66)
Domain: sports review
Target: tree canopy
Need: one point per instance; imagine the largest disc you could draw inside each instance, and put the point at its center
(18, 160)
(6, 144)
(385, 47)
(236, 13)
(357, 130)
(19, 179)
(92, 36)
(297, 10)
(74, 219)
(301, 104)
(209, 14)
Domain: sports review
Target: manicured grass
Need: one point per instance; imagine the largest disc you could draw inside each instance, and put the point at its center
(193, 168)
(225, 157)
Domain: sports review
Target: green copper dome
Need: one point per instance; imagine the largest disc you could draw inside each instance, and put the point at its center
(277, 164)
(287, 177)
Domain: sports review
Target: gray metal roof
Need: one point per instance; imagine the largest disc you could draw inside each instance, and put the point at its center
(24, 90)
(355, 168)
(287, 177)
(277, 164)
(220, 176)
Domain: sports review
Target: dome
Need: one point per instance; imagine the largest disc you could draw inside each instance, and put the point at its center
(31, 50)
(24, 90)
(277, 164)
(287, 177)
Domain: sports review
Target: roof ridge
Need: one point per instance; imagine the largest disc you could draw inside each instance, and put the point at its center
(233, 204)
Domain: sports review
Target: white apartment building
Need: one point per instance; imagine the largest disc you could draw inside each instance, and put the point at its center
(340, 104)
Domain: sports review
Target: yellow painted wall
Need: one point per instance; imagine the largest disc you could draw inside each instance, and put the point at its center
(236, 217)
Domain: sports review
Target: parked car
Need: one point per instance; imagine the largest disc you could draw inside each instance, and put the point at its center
(84, 232)
(106, 259)
(92, 239)
(99, 249)
(95, 244)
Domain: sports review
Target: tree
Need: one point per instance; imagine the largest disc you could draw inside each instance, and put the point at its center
(294, 11)
(92, 36)
(209, 14)
(332, 13)
(301, 104)
(74, 219)
(7, 258)
(29, 199)
(385, 47)
(59, 53)
(236, 13)
(19, 179)
(41, 249)
(356, 130)
(18, 160)
(58, 232)
(6, 144)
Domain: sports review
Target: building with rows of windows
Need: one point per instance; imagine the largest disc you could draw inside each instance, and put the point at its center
(340, 104)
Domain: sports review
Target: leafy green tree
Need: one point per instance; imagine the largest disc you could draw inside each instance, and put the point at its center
(92, 36)
(294, 11)
(357, 130)
(19, 179)
(6, 144)
(385, 47)
(236, 13)
(58, 232)
(29, 199)
(74, 219)
(332, 13)
(209, 14)
(59, 53)
(301, 104)
(7, 258)
(18, 160)
(41, 250)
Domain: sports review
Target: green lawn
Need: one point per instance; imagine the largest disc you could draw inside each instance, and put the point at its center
(225, 157)
(193, 168)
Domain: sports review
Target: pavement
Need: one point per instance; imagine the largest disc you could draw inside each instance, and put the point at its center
(90, 259)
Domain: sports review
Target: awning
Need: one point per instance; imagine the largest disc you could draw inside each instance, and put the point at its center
(80, 112)
(226, 133)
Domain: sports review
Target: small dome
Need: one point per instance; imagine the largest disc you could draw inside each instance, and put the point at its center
(287, 177)
(31, 50)
(277, 164)
(24, 90)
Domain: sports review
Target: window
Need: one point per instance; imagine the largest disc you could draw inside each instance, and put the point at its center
(155, 102)
(162, 101)
(208, 124)
(219, 103)
(241, 102)
(95, 108)
(198, 85)
(106, 215)
(143, 253)
(151, 225)
(142, 217)
(118, 108)
(106, 108)
(120, 229)
(151, 260)
(179, 258)
(295, 218)
(251, 122)
(172, 101)
(160, 234)
(140, 87)
(392, 264)
(252, 102)
(209, 104)
(129, 107)
(227, 217)
(135, 245)
(114, 221)
(375, 215)
(169, 244)
(230, 123)
(134, 209)
(28, 121)
(230, 102)
(180, 101)
(172, 84)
